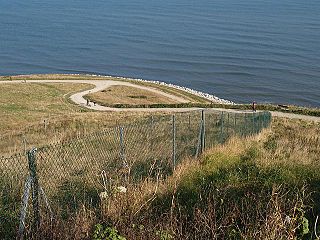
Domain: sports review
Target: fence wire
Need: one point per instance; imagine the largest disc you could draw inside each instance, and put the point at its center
(76, 171)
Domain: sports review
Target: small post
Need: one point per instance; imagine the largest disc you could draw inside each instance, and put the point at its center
(221, 128)
(228, 123)
(45, 125)
(264, 119)
(235, 123)
(245, 125)
(122, 150)
(203, 132)
(35, 187)
(253, 124)
(259, 122)
(24, 206)
(174, 142)
(189, 117)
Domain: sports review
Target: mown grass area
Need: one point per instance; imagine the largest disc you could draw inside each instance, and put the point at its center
(128, 95)
(177, 92)
(22, 104)
(261, 187)
(188, 96)
(54, 77)
(42, 113)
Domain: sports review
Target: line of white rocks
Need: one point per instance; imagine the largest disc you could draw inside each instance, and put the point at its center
(207, 96)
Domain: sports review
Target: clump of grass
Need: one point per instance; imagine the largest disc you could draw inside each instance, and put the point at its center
(9, 207)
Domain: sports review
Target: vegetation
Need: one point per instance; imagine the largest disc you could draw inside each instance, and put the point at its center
(263, 187)
(188, 96)
(128, 95)
(177, 92)
(262, 107)
(38, 113)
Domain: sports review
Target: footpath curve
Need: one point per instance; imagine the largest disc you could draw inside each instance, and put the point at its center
(99, 85)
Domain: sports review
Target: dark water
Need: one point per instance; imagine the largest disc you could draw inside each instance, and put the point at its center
(241, 50)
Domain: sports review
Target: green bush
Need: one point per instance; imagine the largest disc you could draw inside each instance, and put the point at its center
(106, 233)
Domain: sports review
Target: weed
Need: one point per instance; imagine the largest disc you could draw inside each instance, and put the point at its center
(106, 233)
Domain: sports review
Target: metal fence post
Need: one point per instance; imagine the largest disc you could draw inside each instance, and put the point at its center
(245, 125)
(203, 132)
(122, 150)
(253, 123)
(174, 141)
(221, 128)
(35, 187)
(24, 206)
(260, 122)
(235, 123)
(228, 124)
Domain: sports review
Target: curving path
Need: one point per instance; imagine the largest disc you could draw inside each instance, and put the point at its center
(100, 85)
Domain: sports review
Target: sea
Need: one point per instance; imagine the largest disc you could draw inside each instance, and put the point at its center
(241, 50)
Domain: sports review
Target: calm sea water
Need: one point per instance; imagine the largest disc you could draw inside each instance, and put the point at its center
(241, 50)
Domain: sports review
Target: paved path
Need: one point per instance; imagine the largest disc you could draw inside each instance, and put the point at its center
(100, 85)
(295, 116)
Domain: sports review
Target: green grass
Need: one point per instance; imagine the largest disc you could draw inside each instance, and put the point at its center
(191, 97)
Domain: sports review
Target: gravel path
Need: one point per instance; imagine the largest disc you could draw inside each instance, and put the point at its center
(100, 85)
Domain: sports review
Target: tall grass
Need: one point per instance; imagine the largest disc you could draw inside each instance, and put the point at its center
(263, 187)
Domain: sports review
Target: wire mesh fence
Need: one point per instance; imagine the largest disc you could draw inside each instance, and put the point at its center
(65, 174)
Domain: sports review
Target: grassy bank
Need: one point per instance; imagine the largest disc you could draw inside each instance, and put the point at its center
(263, 187)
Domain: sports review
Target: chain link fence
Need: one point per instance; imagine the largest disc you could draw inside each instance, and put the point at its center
(60, 177)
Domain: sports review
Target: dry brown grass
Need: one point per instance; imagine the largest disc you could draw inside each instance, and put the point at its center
(41, 113)
(255, 188)
(247, 206)
(292, 142)
(188, 96)
(128, 95)
(54, 77)
(24, 104)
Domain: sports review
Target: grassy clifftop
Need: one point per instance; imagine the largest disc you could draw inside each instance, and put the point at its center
(262, 187)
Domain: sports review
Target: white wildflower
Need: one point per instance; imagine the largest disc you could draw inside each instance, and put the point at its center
(103, 195)
(121, 189)
(287, 219)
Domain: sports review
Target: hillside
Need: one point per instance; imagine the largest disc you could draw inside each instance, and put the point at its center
(266, 187)
(192, 175)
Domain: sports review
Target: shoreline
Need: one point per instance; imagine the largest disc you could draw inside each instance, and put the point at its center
(201, 94)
